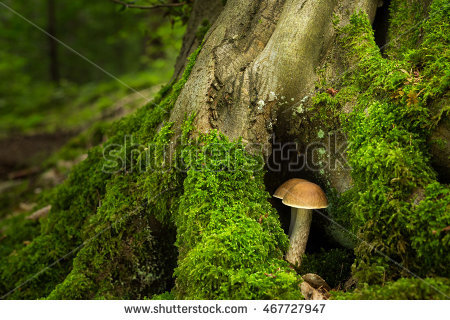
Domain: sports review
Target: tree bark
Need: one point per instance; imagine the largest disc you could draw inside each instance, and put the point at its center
(255, 54)
(203, 10)
(275, 47)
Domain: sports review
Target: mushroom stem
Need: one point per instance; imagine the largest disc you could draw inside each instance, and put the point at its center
(299, 236)
(292, 223)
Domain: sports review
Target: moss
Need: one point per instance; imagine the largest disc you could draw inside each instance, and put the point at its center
(230, 241)
(123, 257)
(403, 289)
(12, 193)
(230, 247)
(340, 209)
(398, 206)
(126, 212)
(93, 239)
(16, 232)
(72, 202)
(405, 25)
(326, 109)
(164, 296)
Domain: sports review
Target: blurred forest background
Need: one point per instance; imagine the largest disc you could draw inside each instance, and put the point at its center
(54, 89)
(103, 61)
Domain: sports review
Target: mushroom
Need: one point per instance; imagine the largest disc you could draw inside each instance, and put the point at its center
(302, 197)
(281, 192)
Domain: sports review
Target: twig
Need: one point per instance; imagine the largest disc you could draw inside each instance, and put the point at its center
(156, 6)
(23, 173)
(39, 213)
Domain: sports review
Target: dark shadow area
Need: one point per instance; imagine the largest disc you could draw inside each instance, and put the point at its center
(439, 144)
(287, 161)
(381, 24)
(165, 237)
(324, 255)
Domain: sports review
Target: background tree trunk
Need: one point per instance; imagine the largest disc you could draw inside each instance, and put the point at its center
(52, 44)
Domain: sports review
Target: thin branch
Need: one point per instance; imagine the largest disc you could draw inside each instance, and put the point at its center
(156, 6)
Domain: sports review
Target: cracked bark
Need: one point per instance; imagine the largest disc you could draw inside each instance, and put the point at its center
(254, 49)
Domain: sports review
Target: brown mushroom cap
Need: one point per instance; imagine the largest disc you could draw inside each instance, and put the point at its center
(283, 189)
(305, 195)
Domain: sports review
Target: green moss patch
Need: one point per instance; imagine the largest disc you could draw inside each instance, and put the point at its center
(403, 289)
(398, 207)
(230, 241)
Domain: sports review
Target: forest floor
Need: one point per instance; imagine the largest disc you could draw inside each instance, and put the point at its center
(33, 156)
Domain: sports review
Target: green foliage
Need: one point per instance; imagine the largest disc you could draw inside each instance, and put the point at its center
(402, 289)
(397, 204)
(70, 107)
(229, 237)
(124, 37)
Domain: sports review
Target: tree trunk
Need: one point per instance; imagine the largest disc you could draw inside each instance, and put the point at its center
(52, 44)
(259, 62)
(203, 11)
(259, 66)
